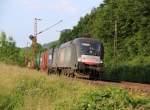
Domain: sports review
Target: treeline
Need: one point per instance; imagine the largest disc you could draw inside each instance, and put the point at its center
(133, 39)
(133, 42)
(9, 53)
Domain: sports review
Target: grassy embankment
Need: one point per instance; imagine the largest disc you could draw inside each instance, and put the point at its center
(23, 89)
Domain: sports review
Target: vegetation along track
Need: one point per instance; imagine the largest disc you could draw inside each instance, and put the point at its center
(130, 86)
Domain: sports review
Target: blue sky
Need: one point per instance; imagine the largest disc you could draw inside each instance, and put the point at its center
(17, 17)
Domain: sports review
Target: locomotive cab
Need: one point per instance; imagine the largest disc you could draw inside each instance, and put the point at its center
(90, 56)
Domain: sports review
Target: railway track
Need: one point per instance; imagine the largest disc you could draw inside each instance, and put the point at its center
(137, 87)
(130, 86)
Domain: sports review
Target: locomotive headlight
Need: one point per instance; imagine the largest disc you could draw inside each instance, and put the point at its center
(101, 61)
(79, 59)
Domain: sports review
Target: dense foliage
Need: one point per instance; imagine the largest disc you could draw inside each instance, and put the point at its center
(9, 53)
(133, 40)
(110, 99)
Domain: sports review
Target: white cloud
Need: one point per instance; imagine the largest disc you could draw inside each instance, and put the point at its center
(31, 4)
(64, 6)
(58, 5)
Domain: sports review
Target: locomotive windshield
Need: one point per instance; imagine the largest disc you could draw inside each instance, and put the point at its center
(90, 48)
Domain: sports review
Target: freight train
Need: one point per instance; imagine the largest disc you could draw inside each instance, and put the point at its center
(79, 57)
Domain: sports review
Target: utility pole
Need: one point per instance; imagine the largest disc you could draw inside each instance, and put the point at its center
(34, 41)
(34, 38)
(36, 26)
(115, 45)
(26, 55)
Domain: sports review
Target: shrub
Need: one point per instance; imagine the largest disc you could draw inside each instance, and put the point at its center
(110, 99)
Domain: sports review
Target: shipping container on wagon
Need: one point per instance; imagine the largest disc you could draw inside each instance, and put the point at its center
(50, 56)
(37, 61)
(44, 60)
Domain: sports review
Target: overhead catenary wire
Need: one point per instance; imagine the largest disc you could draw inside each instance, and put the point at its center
(49, 27)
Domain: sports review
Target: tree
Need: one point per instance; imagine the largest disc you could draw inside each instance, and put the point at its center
(65, 36)
(9, 53)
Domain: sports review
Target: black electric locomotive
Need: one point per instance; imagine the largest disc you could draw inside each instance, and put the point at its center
(79, 57)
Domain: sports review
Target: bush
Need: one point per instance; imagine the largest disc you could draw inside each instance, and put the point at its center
(135, 70)
(111, 99)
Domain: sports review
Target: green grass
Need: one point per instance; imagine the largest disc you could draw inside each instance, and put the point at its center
(24, 89)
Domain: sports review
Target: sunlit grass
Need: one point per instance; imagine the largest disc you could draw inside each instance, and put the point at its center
(25, 89)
